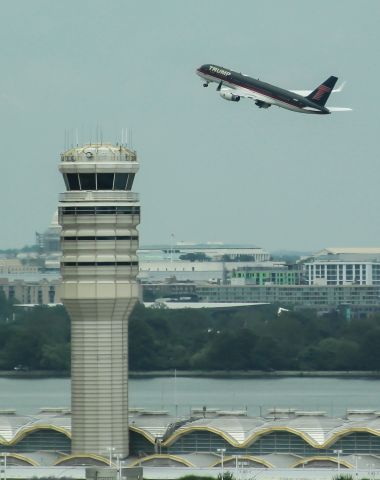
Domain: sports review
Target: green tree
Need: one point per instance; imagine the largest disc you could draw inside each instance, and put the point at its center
(370, 349)
(141, 345)
(6, 307)
(336, 354)
(227, 350)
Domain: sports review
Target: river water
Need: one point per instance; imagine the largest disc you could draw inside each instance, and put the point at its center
(179, 395)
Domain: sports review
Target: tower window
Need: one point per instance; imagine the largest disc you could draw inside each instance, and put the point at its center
(99, 181)
(87, 181)
(100, 264)
(72, 179)
(105, 181)
(131, 177)
(93, 238)
(120, 181)
(102, 209)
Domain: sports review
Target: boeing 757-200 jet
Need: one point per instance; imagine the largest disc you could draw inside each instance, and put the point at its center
(233, 86)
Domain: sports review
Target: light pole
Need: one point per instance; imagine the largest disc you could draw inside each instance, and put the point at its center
(338, 452)
(222, 452)
(4, 466)
(370, 466)
(110, 450)
(356, 466)
(118, 458)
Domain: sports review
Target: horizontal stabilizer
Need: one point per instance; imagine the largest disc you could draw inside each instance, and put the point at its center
(340, 109)
(305, 93)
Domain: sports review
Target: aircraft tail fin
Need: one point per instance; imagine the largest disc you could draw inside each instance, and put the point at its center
(322, 93)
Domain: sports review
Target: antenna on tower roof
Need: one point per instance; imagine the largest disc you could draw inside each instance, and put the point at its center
(76, 137)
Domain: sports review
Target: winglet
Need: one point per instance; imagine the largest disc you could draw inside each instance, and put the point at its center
(340, 88)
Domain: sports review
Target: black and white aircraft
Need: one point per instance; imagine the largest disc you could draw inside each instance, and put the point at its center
(233, 86)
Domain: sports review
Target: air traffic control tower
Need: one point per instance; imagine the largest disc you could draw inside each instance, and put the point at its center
(99, 215)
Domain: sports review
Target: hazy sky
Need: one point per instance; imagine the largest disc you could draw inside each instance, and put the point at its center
(211, 170)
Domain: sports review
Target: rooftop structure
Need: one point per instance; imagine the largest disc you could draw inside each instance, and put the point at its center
(14, 266)
(49, 240)
(349, 251)
(343, 266)
(268, 273)
(212, 251)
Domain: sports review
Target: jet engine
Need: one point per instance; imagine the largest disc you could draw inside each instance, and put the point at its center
(227, 95)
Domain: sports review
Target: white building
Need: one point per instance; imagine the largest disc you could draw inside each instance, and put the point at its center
(197, 262)
(212, 251)
(11, 266)
(343, 266)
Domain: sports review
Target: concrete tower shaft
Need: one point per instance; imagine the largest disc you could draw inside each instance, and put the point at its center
(99, 216)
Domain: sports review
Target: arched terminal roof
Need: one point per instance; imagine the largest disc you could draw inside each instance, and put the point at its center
(82, 459)
(315, 428)
(10, 424)
(235, 430)
(13, 427)
(152, 424)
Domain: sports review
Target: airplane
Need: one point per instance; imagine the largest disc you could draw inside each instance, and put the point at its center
(233, 86)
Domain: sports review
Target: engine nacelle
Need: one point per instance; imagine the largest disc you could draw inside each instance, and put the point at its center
(229, 96)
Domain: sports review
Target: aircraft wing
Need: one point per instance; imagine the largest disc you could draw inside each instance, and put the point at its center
(227, 93)
(241, 92)
(305, 93)
(235, 94)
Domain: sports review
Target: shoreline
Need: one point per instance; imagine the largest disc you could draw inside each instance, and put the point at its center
(232, 374)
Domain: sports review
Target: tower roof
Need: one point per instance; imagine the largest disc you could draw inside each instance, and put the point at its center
(105, 152)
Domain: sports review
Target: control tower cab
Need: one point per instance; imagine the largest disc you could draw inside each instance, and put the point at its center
(99, 167)
(99, 215)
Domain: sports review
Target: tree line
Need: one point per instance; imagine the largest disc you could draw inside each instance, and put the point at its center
(249, 338)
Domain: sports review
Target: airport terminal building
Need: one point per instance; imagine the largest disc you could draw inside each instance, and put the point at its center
(284, 438)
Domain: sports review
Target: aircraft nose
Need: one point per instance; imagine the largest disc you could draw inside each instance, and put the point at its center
(203, 69)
